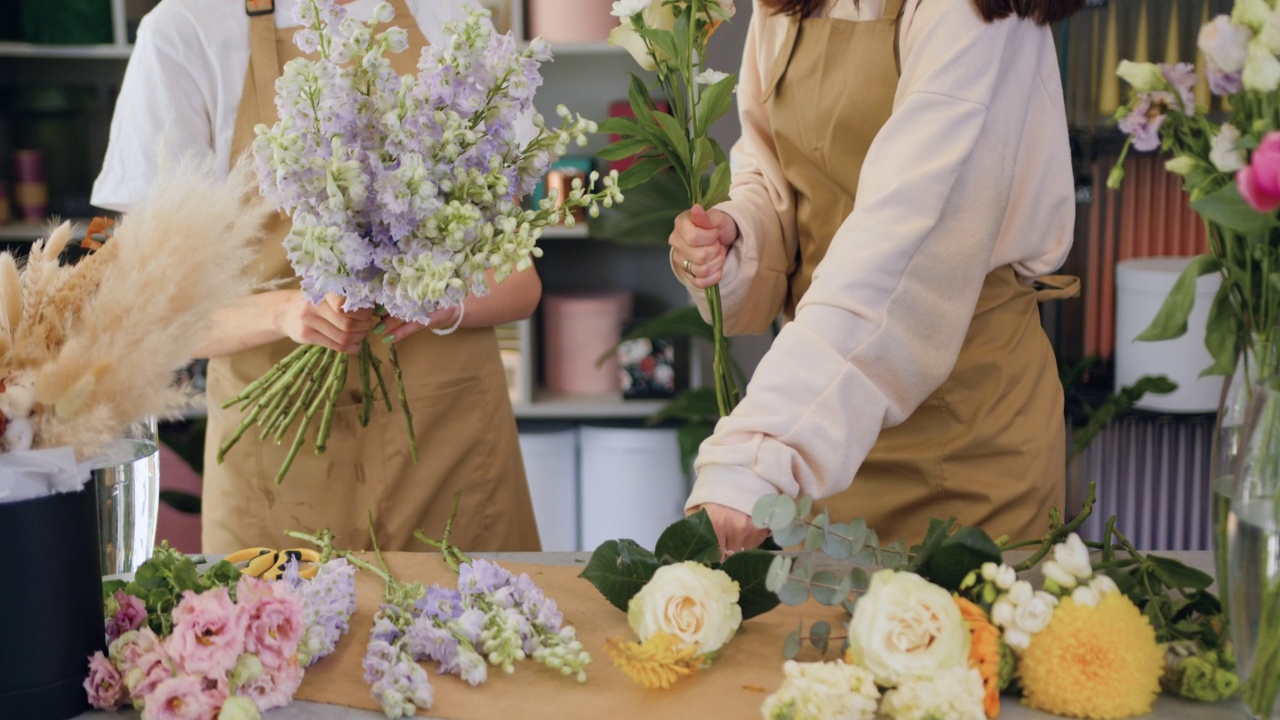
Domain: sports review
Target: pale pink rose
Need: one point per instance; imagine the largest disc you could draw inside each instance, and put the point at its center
(208, 633)
(1259, 181)
(181, 698)
(142, 660)
(273, 620)
(104, 685)
(274, 687)
(130, 616)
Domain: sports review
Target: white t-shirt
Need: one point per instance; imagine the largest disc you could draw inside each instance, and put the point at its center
(182, 88)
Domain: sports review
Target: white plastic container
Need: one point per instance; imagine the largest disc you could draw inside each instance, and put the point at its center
(551, 464)
(632, 485)
(1141, 287)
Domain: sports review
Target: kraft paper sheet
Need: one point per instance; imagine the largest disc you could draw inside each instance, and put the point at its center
(745, 672)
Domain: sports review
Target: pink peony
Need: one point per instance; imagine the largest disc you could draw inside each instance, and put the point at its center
(274, 687)
(1259, 181)
(105, 685)
(208, 633)
(142, 660)
(273, 617)
(130, 616)
(182, 698)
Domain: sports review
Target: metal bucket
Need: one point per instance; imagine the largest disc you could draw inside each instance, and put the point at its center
(127, 478)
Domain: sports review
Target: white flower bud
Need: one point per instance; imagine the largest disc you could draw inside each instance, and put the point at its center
(1016, 639)
(989, 570)
(1020, 592)
(1055, 572)
(1085, 595)
(1006, 576)
(1003, 612)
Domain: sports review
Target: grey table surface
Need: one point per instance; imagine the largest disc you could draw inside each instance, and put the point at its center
(1166, 708)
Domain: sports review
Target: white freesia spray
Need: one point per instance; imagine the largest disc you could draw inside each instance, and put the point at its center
(690, 601)
(823, 691)
(906, 628)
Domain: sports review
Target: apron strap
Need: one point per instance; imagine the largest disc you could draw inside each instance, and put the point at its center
(1056, 287)
(897, 30)
(783, 58)
(264, 58)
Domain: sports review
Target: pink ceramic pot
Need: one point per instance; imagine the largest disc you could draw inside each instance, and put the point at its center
(570, 21)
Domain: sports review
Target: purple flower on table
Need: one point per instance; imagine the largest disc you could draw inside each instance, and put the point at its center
(130, 615)
(1144, 120)
(483, 576)
(105, 685)
(328, 601)
(1182, 77)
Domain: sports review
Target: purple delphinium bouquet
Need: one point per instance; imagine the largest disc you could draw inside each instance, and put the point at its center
(404, 190)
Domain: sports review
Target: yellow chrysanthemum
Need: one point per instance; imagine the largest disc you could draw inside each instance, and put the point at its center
(657, 662)
(1093, 662)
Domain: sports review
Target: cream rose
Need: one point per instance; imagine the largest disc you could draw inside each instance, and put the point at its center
(1261, 69)
(907, 628)
(691, 601)
(656, 16)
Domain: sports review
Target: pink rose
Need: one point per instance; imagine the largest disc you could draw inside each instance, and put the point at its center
(1259, 181)
(182, 698)
(273, 617)
(208, 633)
(130, 616)
(105, 685)
(142, 660)
(274, 687)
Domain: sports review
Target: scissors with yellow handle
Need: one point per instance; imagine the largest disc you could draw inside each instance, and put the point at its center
(269, 563)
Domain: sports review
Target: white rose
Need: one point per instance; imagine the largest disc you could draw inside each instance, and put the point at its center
(1144, 77)
(1223, 43)
(691, 601)
(1020, 592)
(1085, 595)
(1033, 615)
(1223, 152)
(1261, 69)
(656, 16)
(954, 694)
(1251, 12)
(907, 628)
(1073, 556)
(1055, 572)
(818, 691)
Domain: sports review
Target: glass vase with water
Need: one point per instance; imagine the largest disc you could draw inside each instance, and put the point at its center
(127, 478)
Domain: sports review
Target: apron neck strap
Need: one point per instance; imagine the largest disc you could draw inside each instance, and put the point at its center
(264, 58)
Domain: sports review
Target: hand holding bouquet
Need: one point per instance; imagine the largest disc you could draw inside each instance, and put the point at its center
(403, 190)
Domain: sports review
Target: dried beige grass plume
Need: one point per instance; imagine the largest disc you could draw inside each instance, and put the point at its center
(103, 338)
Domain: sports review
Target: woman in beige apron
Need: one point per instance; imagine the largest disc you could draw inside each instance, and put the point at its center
(455, 384)
(988, 446)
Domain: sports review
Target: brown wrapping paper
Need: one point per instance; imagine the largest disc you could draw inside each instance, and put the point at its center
(744, 673)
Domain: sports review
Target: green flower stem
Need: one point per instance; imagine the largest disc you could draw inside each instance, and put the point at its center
(394, 357)
(366, 383)
(309, 396)
(251, 390)
(376, 364)
(301, 434)
(244, 425)
(281, 406)
(1061, 532)
(1262, 687)
(452, 554)
(337, 378)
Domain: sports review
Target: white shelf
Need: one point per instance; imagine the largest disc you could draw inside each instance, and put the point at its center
(560, 232)
(35, 50)
(547, 405)
(585, 48)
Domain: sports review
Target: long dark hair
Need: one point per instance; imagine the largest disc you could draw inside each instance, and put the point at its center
(1041, 11)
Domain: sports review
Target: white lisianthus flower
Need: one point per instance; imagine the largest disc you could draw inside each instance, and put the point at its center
(1085, 595)
(690, 601)
(907, 628)
(709, 77)
(822, 691)
(1144, 77)
(1181, 165)
(1073, 556)
(1261, 69)
(1252, 13)
(655, 16)
(1223, 152)
(1033, 615)
(955, 694)
(626, 8)
(1224, 43)
(1055, 572)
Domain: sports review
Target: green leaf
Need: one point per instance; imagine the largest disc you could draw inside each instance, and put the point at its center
(751, 568)
(804, 506)
(793, 534)
(690, 538)
(794, 592)
(624, 148)
(679, 142)
(716, 100)
(820, 634)
(1227, 208)
(1175, 574)
(647, 216)
(1171, 319)
(627, 127)
(783, 513)
(814, 538)
(964, 550)
(1222, 333)
(718, 189)
(618, 569)
(830, 588)
(858, 580)
(689, 405)
(836, 545)
(894, 555)
(109, 587)
(933, 537)
(684, 321)
(638, 94)
(642, 172)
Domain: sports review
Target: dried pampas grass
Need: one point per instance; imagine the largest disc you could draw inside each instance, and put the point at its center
(94, 347)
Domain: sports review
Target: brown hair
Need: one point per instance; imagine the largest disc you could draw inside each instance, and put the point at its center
(1042, 12)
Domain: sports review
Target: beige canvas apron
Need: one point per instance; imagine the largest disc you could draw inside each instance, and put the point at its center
(988, 446)
(456, 385)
